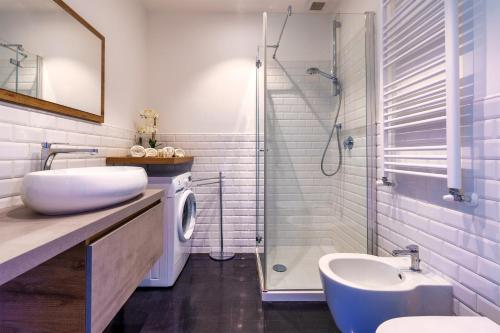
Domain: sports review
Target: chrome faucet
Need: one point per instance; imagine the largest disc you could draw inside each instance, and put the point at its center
(413, 252)
(49, 153)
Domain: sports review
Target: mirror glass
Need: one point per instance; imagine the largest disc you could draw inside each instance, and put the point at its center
(49, 53)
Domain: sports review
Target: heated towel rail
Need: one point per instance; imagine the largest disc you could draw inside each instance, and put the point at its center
(421, 93)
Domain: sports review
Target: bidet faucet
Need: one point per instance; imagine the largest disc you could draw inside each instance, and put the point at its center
(413, 252)
(49, 153)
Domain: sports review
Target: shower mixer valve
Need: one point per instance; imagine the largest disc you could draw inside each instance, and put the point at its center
(348, 142)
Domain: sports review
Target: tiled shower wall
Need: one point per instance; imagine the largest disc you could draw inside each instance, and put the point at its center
(304, 206)
(23, 130)
(299, 117)
(349, 192)
(460, 242)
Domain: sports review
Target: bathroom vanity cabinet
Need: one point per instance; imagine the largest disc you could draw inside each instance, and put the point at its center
(73, 273)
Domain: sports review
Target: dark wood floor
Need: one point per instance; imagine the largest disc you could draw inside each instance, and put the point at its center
(212, 296)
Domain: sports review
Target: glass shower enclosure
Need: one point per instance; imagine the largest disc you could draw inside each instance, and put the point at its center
(20, 71)
(315, 145)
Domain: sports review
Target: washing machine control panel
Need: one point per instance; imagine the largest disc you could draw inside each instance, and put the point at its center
(181, 182)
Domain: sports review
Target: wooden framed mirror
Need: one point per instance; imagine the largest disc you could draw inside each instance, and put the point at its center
(51, 59)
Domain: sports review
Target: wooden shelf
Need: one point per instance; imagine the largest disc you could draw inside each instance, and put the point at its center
(128, 160)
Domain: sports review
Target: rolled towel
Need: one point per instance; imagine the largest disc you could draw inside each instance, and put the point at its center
(151, 152)
(168, 152)
(137, 151)
(179, 153)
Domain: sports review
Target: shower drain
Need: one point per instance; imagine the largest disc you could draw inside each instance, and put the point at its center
(279, 268)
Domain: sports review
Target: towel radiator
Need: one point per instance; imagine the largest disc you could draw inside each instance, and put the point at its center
(421, 93)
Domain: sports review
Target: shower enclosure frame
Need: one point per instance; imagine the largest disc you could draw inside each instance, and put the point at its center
(20, 56)
(371, 156)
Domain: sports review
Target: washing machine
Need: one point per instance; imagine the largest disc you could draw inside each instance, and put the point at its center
(178, 226)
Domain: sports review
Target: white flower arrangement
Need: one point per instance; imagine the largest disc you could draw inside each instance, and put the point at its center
(149, 125)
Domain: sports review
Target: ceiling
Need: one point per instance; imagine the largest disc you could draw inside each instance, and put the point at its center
(29, 5)
(236, 6)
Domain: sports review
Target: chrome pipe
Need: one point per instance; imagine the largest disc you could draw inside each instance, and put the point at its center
(221, 255)
(277, 45)
(203, 179)
(336, 24)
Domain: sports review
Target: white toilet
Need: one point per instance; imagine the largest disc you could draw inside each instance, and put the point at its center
(439, 324)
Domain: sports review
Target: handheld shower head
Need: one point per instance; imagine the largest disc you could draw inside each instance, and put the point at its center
(316, 70)
(312, 70)
(289, 10)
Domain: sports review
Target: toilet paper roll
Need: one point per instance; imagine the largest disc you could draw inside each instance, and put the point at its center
(137, 151)
(168, 151)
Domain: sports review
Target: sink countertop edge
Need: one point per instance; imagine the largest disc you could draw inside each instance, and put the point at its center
(49, 236)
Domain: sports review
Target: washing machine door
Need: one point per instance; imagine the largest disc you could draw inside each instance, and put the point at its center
(186, 215)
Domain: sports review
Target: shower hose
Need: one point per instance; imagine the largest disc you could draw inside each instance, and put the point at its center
(334, 129)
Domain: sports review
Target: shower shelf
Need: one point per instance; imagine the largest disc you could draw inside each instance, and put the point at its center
(421, 93)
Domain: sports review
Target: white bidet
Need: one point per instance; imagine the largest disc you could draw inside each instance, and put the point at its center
(363, 291)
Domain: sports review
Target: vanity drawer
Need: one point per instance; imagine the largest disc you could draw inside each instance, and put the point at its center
(117, 263)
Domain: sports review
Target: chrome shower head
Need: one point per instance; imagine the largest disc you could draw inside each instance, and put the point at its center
(289, 10)
(316, 70)
(312, 70)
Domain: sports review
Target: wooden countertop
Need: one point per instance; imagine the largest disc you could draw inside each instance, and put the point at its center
(128, 160)
(28, 239)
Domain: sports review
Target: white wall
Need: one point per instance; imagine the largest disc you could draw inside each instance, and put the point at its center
(307, 37)
(357, 6)
(201, 71)
(123, 23)
(22, 129)
(201, 67)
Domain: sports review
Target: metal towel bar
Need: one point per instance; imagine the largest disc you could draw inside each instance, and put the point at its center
(220, 255)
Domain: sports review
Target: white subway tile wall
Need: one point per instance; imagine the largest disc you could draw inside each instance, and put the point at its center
(234, 156)
(304, 206)
(349, 192)
(23, 130)
(299, 116)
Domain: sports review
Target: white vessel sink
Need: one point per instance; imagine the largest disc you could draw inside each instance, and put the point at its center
(363, 291)
(65, 191)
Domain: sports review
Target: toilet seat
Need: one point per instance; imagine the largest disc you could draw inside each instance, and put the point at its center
(439, 324)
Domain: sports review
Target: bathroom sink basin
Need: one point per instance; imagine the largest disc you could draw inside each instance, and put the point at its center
(363, 291)
(65, 191)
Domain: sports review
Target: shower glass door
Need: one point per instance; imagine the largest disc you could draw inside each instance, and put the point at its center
(8, 69)
(19, 70)
(260, 83)
(308, 214)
